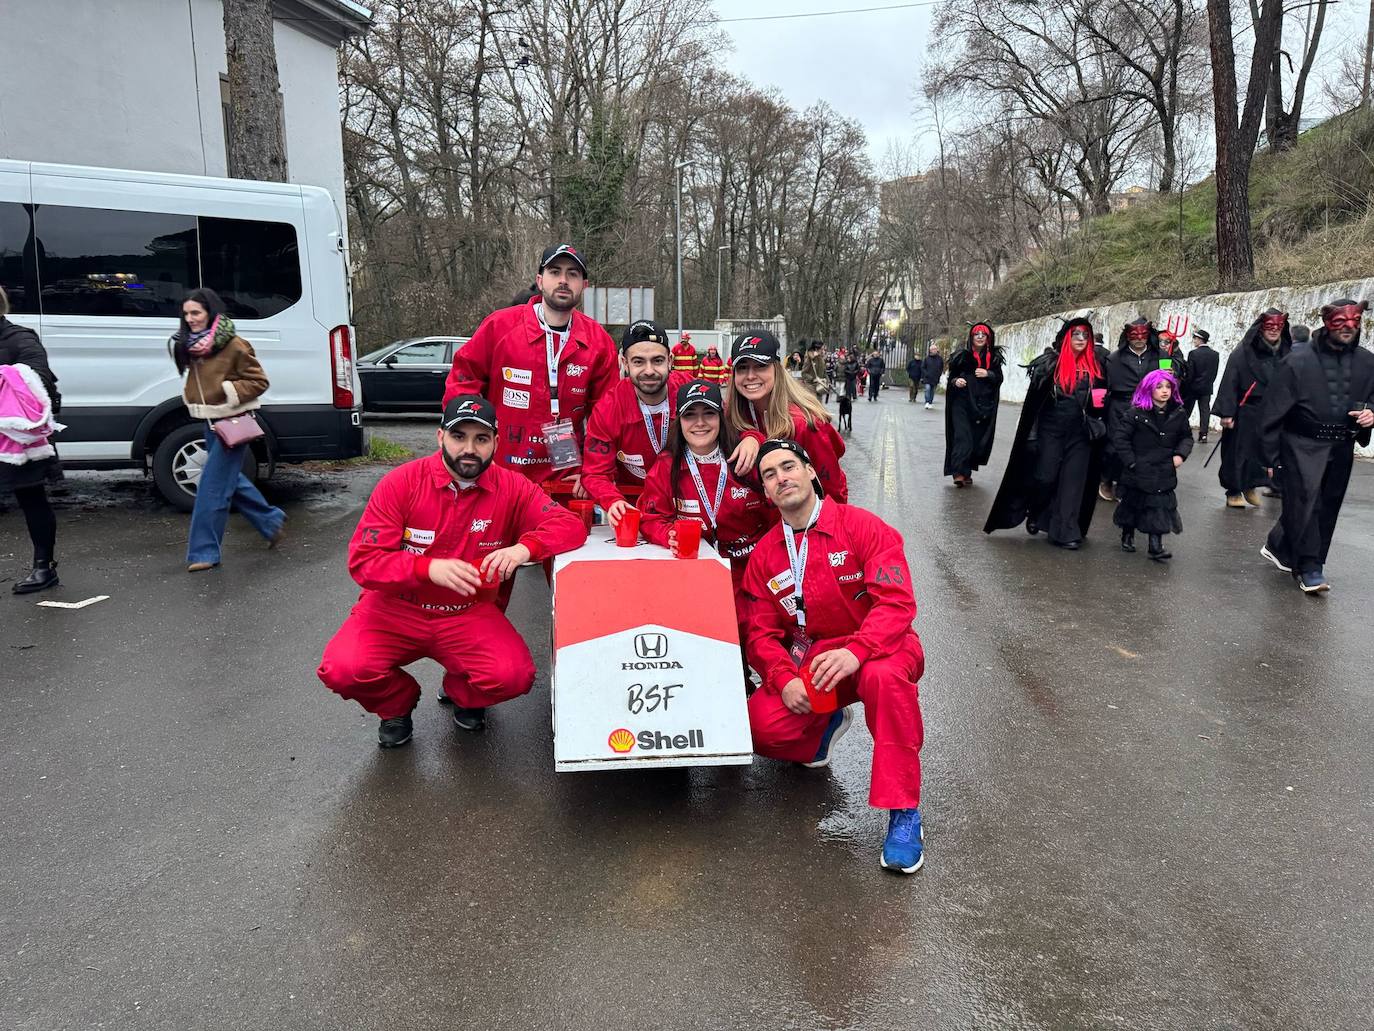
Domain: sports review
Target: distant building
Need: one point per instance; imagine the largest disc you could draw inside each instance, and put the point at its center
(141, 84)
(1130, 197)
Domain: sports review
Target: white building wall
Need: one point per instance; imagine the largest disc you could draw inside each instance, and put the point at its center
(136, 84)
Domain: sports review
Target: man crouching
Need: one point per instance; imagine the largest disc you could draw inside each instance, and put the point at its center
(438, 536)
(828, 599)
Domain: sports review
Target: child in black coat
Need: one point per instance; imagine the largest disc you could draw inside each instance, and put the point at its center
(1153, 439)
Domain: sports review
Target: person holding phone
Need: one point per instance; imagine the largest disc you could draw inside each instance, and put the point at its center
(1318, 406)
(436, 538)
(828, 602)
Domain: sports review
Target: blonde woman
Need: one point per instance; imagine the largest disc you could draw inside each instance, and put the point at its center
(764, 399)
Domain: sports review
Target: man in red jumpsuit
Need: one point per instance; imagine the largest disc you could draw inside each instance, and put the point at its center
(685, 357)
(542, 365)
(828, 590)
(437, 534)
(629, 426)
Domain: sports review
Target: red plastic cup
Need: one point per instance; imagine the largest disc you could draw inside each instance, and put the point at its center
(584, 509)
(688, 538)
(491, 587)
(821, 701)
(627, 530)
(1099, 396)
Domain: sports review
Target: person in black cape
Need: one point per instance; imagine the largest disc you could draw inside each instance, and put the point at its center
(972, 391)
(1319, 404)
(1240, 398)
(1051, 477)
(1137, 352)
(1153, 439)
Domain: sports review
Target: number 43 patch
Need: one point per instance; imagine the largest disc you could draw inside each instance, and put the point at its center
(889, 575)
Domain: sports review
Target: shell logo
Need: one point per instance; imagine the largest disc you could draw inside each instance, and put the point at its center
(621, 741)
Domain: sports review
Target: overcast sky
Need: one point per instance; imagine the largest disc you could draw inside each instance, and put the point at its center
(863, 65)
(866, 65)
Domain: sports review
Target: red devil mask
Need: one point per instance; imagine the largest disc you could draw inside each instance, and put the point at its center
(1336, 317)
(1273, 322)
(1138, 332)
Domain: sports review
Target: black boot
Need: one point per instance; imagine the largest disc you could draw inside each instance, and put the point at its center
(1157, 551)
(44, 575)
(1128, 540)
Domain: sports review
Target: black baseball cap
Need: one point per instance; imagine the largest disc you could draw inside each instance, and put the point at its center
(699, 392)
(757, 346)
(562, 250)
(468, 408)
(643, 331)
(782, 444)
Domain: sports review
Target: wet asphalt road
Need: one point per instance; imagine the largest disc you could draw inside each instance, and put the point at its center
(1147, 798)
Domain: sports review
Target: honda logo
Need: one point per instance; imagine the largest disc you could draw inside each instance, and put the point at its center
(651, 646)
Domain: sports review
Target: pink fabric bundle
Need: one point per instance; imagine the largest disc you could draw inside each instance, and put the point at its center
(26, 420)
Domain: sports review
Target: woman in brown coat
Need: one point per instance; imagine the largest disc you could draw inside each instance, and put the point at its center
(223, 379)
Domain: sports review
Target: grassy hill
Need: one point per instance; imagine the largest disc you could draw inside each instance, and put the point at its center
(1312, 209)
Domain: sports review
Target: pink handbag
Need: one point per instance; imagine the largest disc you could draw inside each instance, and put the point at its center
(236, 430)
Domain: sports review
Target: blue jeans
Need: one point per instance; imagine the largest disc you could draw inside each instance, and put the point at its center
(222, 483)
(930, 393)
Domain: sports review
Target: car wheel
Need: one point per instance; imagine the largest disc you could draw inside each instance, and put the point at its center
(179, 460)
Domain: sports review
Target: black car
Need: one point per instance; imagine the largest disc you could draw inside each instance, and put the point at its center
(408, 375)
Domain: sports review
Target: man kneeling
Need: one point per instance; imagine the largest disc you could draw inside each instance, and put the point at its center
(437, 536)
(828, 591)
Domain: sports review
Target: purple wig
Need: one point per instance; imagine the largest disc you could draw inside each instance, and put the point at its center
(1144, 392)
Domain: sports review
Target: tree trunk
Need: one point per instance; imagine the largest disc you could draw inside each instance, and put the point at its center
(256, 149)
(1368, 57)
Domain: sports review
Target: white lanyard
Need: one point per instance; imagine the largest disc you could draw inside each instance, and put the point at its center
(656, 441)
(711, 509)
(797, 559)
(553, 358)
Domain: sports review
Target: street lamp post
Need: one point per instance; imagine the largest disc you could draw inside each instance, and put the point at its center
(680, 166)
(720, 260)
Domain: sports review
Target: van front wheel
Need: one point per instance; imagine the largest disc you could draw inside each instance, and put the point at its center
(178, 461)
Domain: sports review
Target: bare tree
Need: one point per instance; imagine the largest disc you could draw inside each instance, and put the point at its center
(1237, 131)
(1282, 126)
(256, 150)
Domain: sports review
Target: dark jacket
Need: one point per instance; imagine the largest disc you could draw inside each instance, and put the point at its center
(1248, 370)
(1203, 364)
(876, 366)
(1147, 441)
(1318, 385)
(20, 345)
(913, 370)
(932, 365)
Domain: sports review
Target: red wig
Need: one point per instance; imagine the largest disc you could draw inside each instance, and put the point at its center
(1073, 365)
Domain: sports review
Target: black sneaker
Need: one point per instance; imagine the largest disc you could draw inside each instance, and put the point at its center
(444, 699)
(395, 732)
(474, 720)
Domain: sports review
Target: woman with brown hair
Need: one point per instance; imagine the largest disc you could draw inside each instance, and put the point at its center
(223, 380)
(780, 408)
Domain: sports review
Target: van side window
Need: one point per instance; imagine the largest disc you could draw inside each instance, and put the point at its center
(97, 261)
(254, 266)
(18, 270)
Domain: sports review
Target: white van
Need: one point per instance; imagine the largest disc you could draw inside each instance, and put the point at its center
(97, 260)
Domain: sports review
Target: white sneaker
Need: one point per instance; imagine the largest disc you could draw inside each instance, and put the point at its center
(1265, 553)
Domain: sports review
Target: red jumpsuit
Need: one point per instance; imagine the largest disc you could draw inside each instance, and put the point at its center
(685, 359)
(506, 361)
(858, 596)
(416, 514)
(744, 516)
(826, 447)
(619, 451)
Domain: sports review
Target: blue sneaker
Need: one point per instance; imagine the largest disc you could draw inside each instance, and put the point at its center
(1313, 582)
(834, 730)
(903, 848)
